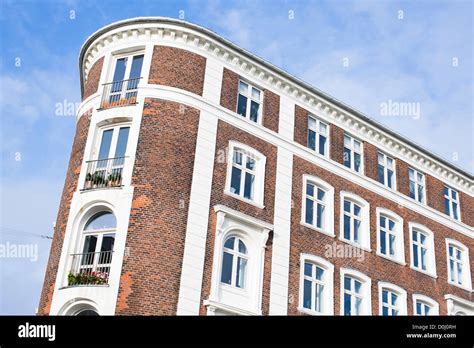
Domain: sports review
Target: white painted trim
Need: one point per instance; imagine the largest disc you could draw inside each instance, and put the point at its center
(402, 294)
(467, 281)
(431, 255)
(243, 217)
(457, 304)
(366, 289)
(428, 300)
(328, 293)
(192, 270)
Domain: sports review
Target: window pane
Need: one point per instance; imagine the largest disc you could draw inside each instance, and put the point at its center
(230, 243)
(307, 294)
(347, 283)
(357, 145)
(241, 272)
(390, 178)
(423, 259)
(446, 191)
(319, 295)
(108, 242)
(382, 221)
(394, 299)
(357, 210)
(412, 189)
(380, 158)
(250, 163)
(418, 308)
(136, 68)
(391, 225)
(347, 157)
(319, 273)
(384, 311)
(446, 207)
(322, 128)
(320, 216)
(358, 305)
(455, 210)
(411, 174)
(420, 194)
(384, 296)
(242, 105)
(243, 87)
(347, 227)
(357, 166)
(357, 286)
(347, 206)
(242, 247)
(322, 145)
(347, 141)
(308, 269)
(419, 177)
(235, 180)
(309, 211)
(311, 123)
(237, 157)
(451, 270)
(255, 93)
(356, 230)
(226, 275)
(310, 189)
(321, 194)
(101, 221)
(312, 140)
(389, 163)
(105, 144)
(454, 195)
(381, 175)
(254, 111)
(90, 243)
(392, 245)
(122, 142)
(347, 304)
(382, 243)
(249, 184)
(415, 255)
(119, 72)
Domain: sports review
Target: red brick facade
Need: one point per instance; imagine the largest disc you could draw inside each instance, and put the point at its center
(162, 179)
(70, 186)
(92, 82)
(177, 68)
(370, 161)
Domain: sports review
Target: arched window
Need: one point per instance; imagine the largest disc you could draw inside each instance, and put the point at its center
(87, 312)
(423, 305)
(392, 300)
(422, 249)
(355, 219)
(234, 262)
(355, 293)
(91, 266)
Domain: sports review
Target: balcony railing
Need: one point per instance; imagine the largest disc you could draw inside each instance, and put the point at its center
(90, 268)
(120, 93)
(104, 173)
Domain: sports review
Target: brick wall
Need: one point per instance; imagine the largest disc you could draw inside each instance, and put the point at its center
(336, 140)
(271, 110)
(370, 161)
(467, 211)
(225, 133)
(178, 68)
(434, 193)
(301, 125)
(306, 240)
(229, 90)
(70, 186)
(403, 181)
(92, 82)
(162, 178)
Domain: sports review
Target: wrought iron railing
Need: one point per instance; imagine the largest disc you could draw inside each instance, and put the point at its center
(104, 173)
(120, 93)
(90, 268)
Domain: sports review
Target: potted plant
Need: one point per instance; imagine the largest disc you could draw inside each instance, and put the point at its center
(88, 183)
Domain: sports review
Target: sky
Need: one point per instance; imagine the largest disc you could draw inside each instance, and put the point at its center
(368, 54)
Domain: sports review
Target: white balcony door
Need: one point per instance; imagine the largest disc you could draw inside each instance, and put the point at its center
(125, 68)
(113, 143)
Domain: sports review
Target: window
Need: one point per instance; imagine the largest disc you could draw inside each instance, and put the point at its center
(113, 143)
(417, 185)
(234, 262)
(422, 249)
(249, 101)
(355, 220)
(125, 79)
(459, 272)
(246, 173)
(392, 300)
(317, 135)
(355, 293)
(386, 170)
(451, 202)
(423, 305)
(458, 306)
(390, 236)
(352, 153)
(318, 205)
(316, 285)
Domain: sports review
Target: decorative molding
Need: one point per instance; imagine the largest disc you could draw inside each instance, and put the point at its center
(197, 38)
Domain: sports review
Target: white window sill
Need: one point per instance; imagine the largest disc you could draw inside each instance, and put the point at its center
(431, 274)
(243, 199)
(234, 289)
(400, 262)
(459, 286)
(360, 246)
(317, 229)
(231, 309)
(311, 312)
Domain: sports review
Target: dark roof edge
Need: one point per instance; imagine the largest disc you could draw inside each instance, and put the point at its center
(275, 69)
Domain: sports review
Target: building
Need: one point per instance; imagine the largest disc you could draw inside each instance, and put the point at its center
(204, 180)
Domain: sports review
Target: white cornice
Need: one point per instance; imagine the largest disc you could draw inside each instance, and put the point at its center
(207, 43)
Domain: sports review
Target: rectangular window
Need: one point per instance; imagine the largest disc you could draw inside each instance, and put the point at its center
(317, 135)
(455, 265)
(352, 153)
(315, 205)
(422, 308)
(352, 296)
(313, 287)
(242, 180)
(249, 101)
(420, 249)
(385, 170)
(417, 185)
(389, 302)
(387, 236)
(352, 222)
(451, 202)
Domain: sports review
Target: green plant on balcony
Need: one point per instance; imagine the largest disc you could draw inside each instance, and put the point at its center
(115, 178)
(86, 278)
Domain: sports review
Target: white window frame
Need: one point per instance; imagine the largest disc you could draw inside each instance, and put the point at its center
(430, 255)
(249, 97)
(129, 55)
(260, 161)
(236, 254)
(417, 183)
(401, 293)
(398, 232)
(384, 164)
(352, 150)
(328, 227)
(328, 281)
(113, 143)
(466, 276)
(434, 310)
(317, 132)
(451, 201)
(366, 306)
(365, 220)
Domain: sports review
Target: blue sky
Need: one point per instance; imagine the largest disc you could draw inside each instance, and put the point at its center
(407, 59)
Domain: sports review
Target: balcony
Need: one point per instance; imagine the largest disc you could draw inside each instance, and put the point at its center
(119, 93)
(90, 269)
(104, 173)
